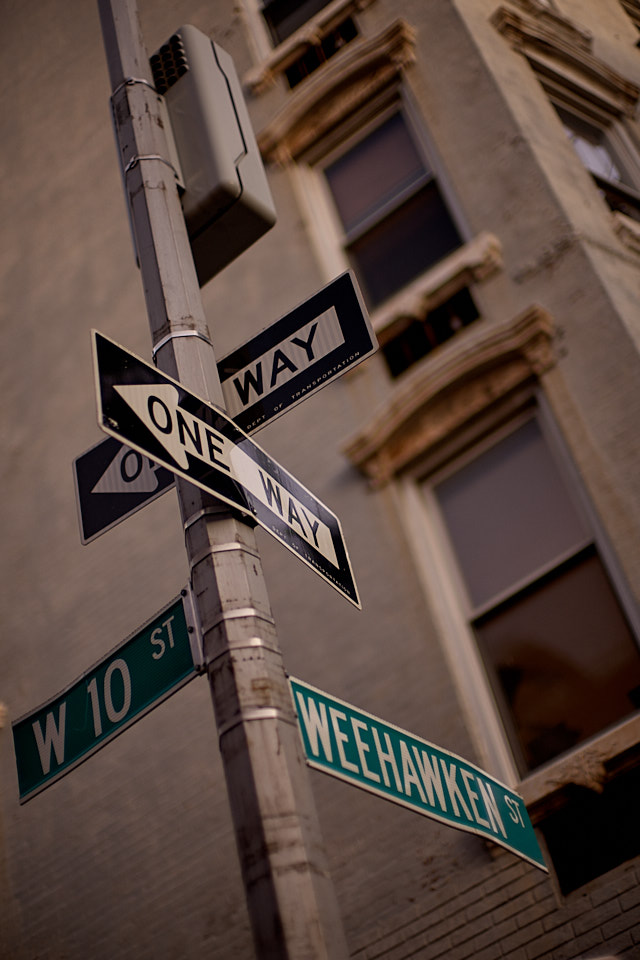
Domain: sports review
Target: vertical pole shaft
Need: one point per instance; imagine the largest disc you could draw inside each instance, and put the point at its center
(290, 897)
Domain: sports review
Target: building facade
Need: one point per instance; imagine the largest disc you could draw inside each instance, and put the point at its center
(476, 164)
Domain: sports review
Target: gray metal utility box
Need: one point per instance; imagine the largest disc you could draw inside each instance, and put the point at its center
(226, 201)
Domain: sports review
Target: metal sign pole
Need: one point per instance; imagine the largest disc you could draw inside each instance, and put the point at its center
(290, 897)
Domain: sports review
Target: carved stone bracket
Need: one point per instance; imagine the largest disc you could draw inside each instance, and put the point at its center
(486, 364)
(560, 51)
(628, 231)
(591, 765)
(310, 34)
(473, 262)
(344, 84)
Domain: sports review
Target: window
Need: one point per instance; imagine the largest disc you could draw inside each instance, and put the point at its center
(315, 55)
(594, 100)
(534, 618)
(407, 344)
(553, 636)
(589, 832)
(284, 17)
(394, 220)
(597, 153)
(293, 38)
(632, 9)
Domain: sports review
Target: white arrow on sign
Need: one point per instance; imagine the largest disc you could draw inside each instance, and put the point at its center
(156, 415)
(182, 433)
(112, 482)
(128, 472)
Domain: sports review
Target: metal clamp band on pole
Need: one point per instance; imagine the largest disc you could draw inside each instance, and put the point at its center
(130, 81)
(253, 643)
(175, 333)
(240, 613)
(255, 713)
(211, 551)
(134, 161)
(204, 512)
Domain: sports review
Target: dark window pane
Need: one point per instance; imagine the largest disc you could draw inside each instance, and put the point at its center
(407, 348)
(405, 243)
(419, 338)
(318, 54)
(564, 660)
(374, 172)
(509, 514)
(285, 16)
(592, 146)
(591, 833)
(619, 198)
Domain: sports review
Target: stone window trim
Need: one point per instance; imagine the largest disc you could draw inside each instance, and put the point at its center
(632, 9)
(482, 366)
(592, 765)
(628, 231)
(348, 84)
(473, 262)
(265, 74)
(560, 52)
(486, 377)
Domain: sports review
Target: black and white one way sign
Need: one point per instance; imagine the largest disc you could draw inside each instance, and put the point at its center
(285, 363)
(112, 482)
(154, 414)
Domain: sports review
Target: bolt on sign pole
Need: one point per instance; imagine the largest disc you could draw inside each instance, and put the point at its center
(290, 896)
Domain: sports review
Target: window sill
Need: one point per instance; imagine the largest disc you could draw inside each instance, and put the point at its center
(263, 76)
(471, 263)
(483, 366)
(590, 765)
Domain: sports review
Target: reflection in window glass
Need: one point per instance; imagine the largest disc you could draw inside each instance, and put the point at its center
(591, 146)
(564, 659)
(396, 222)
(509, 514)
(408, 241)
(374, 171)
(557, 646)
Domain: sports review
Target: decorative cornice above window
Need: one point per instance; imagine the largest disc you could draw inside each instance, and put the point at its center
(486, 365)
(537, 19)
(560, 53)
(313, 32)
(632, 9)
(345, 83)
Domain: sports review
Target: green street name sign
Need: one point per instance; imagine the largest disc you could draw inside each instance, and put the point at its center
(355, 746)
(139, 673)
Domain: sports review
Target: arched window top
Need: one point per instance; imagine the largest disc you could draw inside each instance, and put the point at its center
(491, 365)
(346, 85)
